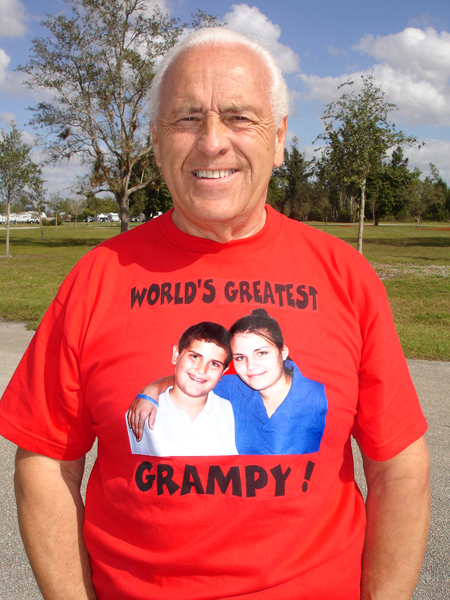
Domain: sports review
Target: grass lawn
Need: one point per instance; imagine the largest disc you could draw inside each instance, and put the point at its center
(413, 263)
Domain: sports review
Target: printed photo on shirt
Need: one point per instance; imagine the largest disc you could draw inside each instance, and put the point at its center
(268, 407)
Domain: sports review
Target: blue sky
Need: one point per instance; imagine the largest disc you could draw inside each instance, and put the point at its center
(318, 45)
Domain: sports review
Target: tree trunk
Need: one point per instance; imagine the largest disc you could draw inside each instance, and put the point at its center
(124, 204)
(8, 212)
(376, 218)
(361, 217)
(41, 226)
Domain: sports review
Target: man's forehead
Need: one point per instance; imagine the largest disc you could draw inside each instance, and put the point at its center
(233, 76)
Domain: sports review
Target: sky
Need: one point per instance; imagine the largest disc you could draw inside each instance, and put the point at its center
(318, 45)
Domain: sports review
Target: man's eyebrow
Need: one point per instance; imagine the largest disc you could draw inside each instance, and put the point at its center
(190, 109)
(239, 108)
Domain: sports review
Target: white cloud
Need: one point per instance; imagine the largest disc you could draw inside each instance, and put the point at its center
(423, 54)
(13, 18)
(4, 62)
(434, 151)
(413, 70)
(252, 22)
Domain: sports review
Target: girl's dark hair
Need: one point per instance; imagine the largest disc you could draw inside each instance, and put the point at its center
(206, 332)
(259, 322)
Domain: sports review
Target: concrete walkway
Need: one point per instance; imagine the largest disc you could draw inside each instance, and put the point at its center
(432, 380)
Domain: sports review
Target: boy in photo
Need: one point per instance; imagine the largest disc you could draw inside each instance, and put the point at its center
(191, 419)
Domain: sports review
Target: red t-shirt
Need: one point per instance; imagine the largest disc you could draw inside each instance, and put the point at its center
(204, 528)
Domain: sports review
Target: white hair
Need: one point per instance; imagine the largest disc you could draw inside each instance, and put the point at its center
(221, 36)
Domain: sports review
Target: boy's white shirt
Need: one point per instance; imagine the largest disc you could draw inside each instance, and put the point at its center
(174, 434)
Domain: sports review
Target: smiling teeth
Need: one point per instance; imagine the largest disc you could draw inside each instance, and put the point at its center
(214, 174)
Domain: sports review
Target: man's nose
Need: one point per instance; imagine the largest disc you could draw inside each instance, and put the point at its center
(213, 138)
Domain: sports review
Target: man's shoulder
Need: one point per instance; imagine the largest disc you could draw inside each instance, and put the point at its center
(147, 233)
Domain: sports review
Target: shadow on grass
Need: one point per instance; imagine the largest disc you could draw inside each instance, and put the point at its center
(437, 242)
(56, 243)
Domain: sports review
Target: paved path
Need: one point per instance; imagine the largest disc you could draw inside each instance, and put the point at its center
(432, 380)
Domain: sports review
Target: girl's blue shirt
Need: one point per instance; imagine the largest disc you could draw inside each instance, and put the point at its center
(297, 425)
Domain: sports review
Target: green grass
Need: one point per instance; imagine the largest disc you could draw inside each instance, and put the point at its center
(413, 263)
(30, 279)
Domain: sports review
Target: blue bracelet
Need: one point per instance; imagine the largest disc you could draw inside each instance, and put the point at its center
(149, 398)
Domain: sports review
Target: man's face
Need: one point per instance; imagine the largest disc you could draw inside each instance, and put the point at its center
(199, 368)
(216, 138)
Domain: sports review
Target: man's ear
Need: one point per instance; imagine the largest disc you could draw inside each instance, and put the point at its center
(280, 142)
(155, 144)
(175, 355)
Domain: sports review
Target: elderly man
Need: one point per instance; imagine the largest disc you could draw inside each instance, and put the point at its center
(197, 528)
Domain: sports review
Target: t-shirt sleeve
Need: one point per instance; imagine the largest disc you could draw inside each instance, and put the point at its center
(389, 417)
(43, 408)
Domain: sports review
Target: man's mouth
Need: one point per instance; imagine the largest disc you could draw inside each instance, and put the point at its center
(214, 174)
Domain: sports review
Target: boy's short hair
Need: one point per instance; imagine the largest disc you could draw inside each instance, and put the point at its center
(207, 332)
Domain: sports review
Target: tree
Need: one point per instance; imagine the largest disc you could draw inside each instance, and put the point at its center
(420, 196)
(99, 64)
(57, 205)
(358, 135)
(76, 205)
(37, 196)
(384, 187)
(289, 188)
(16, 170)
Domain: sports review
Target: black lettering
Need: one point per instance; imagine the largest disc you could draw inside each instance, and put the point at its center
(144, 482)
(268, 294)
(279, 289)
(153, 294)
(230, 294)
(137, 295)
(165, 293)
(255, 479)
(178, 298)
(244, 287)
(190, 291)
(191, 479)
(164, 478)
(302, 303)
(256, 292)
(289, 296)
(215, 474)
(208, 298)
(313, 292)
(280, 479)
